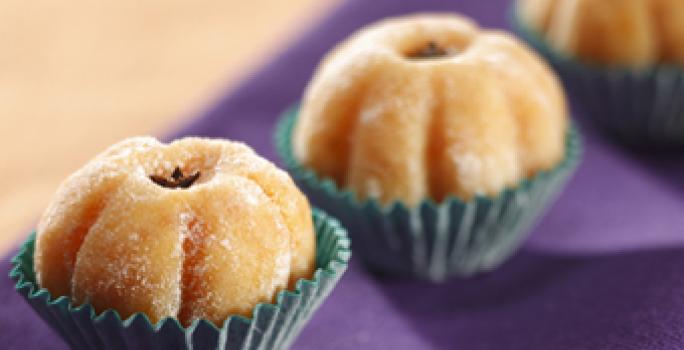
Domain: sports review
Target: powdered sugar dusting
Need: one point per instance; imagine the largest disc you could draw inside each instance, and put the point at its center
(282, 270)
(145, 227)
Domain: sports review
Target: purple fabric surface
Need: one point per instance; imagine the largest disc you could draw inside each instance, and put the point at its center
(603, 270)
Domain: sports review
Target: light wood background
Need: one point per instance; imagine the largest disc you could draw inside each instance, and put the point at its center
(79, 75)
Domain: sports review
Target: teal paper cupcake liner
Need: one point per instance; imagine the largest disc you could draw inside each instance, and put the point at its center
(642, 106)
(272, 326)
(433, 240)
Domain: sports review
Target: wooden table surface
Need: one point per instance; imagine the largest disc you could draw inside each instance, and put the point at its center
(77, 76)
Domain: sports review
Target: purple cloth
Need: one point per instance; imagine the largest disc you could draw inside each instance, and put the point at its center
(603, 270)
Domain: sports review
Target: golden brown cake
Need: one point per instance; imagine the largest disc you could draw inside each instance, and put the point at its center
(623, 32)
(197, 228)
(430, 105)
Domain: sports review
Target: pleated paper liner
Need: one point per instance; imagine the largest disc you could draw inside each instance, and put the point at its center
(272, 326)
(433, 240)
(638, 106)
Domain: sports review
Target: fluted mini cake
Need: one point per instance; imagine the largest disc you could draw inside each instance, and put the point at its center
(199, 243)
(622, 61)
(614, 32)
(427, 108)
(194, 229)
(430, 106)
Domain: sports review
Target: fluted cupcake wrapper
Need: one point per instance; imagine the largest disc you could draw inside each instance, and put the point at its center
(433, 241)
(640, 106)
(272, 326)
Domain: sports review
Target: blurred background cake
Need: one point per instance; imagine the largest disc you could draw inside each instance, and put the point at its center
(429, 106)
(425, 133)
(620, 59)
(634, 33)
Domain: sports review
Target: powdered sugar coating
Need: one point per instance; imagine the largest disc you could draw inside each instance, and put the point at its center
(393, 127)
(114, 238)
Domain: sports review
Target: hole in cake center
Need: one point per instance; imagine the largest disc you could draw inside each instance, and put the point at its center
(177, 179)
(432, 50)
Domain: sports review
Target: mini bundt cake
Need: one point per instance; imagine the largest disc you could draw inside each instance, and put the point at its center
(622, 32)
(197, 228)
(427, 106)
